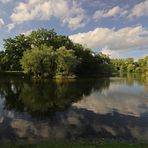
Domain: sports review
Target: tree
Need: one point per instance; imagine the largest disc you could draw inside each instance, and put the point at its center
(122, 69)
(65, 57)
(129, 61)
(2, 64)
(66, 61)
(119, 65)
(130, 67)
(42, 37)
(14, 48)
(49, 38)
(39, 61)
(146, 61)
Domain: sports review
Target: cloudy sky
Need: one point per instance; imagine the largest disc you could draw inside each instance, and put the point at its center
(115, 27)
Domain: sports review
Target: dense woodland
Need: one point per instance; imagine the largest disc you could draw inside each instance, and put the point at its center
(130, 65)
(44, 53)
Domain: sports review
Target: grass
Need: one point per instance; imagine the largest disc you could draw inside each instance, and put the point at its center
(75, 145)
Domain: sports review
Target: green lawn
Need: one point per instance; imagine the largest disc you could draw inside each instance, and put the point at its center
(75, 145)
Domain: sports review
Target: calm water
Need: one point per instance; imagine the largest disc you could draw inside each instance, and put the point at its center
(112, 108)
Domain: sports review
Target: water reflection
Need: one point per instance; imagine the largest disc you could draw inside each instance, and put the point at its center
(128, 100)
(41, 99)
(115, 108)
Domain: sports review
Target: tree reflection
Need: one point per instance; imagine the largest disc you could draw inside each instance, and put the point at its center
(131, 78)
(10, 90)
(118, 113)
(42, 99)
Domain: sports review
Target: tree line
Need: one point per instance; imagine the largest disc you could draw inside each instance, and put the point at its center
(44, 53)
(130, 65)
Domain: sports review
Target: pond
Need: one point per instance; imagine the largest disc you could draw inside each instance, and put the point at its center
(105, 108)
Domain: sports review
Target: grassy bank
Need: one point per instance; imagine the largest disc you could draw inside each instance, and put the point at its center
(76, 145)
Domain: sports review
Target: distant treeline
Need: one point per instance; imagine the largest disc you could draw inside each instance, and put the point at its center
(130, 65)
(44, 53)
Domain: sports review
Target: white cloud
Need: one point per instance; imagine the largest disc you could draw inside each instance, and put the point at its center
(140, 9)
(124, 38)
(10, 26)
(5, 1)
(69, 12)
(111, 53)
(1, 22)
(99, 14)
(112, 12)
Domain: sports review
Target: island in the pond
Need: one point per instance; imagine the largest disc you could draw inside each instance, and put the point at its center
(45, 54)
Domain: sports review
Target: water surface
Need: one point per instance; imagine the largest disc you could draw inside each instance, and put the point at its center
(110, 108)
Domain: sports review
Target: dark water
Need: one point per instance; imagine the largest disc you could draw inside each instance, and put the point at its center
(112, 108)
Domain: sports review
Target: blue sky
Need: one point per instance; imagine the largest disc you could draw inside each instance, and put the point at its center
(118, 28)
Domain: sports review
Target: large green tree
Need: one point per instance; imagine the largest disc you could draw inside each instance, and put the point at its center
(66, 61)
(39, 61)
(14, 48)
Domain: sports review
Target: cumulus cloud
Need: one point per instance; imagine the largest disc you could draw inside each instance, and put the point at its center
(10, 26)
(5, 1)
(111, 53)
(139, 10)
(1, 22)
(99, 14)
(124, 38)
(69, 12)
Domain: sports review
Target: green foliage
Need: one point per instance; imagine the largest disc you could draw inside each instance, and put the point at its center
(64, 58)
(129, 61)
(138, 70)
(14, 48)
(2, 60)
(42, 36)
(66, 61)
(130, 66)
(39, 61)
